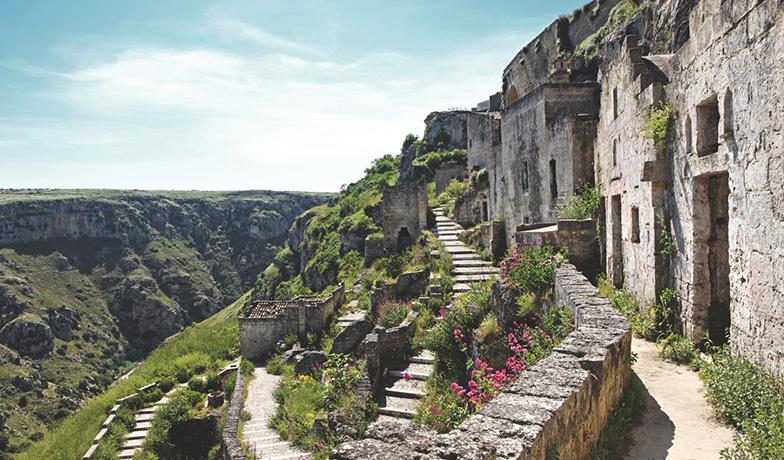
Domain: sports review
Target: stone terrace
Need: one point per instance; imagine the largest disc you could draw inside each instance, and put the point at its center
(563, 401)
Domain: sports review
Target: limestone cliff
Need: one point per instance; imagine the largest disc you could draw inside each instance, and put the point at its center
(91, 280)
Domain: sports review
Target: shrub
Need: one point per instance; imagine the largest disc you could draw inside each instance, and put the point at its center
(275, 365)
(178, 410)
(488, 328)
(558, 322)
(530, 269)
(391, 313)
(643, 322)
(166, 384)
(582, 205)
(657, 124)
(294, 287)
(745, 396)
(433, 160)
(198, 383)
(677, 349)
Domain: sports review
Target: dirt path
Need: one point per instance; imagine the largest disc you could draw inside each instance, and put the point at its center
(679, 423)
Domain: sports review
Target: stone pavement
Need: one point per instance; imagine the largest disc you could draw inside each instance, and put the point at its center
(267, 444)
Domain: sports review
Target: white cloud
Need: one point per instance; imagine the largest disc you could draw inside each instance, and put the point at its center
(212, 119)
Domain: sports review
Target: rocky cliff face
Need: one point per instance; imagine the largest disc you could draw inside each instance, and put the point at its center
(92, 280)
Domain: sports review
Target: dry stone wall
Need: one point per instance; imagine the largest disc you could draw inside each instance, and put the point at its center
(560, 404)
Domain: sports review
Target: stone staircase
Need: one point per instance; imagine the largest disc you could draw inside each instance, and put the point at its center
(467, 267)
(265, 442)
(404, 388)
(143, 422)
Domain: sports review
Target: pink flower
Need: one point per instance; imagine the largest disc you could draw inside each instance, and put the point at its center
(406, 376)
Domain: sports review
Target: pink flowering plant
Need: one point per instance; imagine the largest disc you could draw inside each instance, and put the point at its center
(448, 405)
(530, 269)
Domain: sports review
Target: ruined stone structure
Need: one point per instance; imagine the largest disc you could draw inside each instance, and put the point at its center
(713, 191)
(266, 322)
(717, 186)
(404, 214)
(446, 173)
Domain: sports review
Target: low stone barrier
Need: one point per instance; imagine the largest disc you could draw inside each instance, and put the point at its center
(230, 438)
(383, 347)
(559, 406)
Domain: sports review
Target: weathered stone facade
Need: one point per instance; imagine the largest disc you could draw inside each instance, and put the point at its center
(264, 323)
(404, 214)
(561, 403)
(546, 152)
(716, 188)
(446, 173)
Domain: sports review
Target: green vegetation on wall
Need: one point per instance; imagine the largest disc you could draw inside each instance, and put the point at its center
(658, 120)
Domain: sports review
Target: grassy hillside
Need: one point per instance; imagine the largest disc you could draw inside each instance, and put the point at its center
(217, 337)
(92, 280)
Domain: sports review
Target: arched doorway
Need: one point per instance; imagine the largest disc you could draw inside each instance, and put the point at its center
(403, 239)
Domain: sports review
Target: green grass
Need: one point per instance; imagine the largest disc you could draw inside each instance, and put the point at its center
(616, 436)
(748, 398)
(217, 337)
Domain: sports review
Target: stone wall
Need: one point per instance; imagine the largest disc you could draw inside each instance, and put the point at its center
(404, 214)
(558, 406)
(717, 186)
(446, 130)
(385, 347)
(631, 86)
(546, 153)
(231, 448)
(267, 322)
(445, 174)
(578, 237)
(533, 64)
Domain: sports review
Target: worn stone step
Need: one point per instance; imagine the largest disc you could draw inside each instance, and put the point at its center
(461, 249)
(132, 443)
(295, 456)
(404, 393)
(461, 288)
(398, 413)
(419, 368)
(482, 270)
(471, 263)
(412, 375)
(424, 357)
(473, 278)
(127, 453)
(145, 417)
(142, 426)
(464, 256)
(137, 434)
(412, 385)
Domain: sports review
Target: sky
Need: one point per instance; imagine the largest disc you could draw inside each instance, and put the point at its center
(238, 94)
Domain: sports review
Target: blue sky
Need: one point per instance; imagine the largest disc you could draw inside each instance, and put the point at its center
(283, 95)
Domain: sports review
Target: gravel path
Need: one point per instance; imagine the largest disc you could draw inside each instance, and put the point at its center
(261, 405)
(678, 423)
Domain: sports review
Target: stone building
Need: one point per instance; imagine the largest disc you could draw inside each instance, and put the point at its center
(718, 186)
(404, 214)
(265, 322)
(630, 173)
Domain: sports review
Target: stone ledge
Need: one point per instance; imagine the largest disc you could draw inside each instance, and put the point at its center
(563, 402)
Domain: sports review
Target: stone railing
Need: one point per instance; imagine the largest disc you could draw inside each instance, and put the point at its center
(230, 438)
(559, 406)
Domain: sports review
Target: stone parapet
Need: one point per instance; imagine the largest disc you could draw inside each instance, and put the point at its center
(231, 447)
(559, 405)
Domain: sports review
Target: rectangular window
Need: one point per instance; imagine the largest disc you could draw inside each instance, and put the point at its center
(553, 181)
(524, 176)
(708, 127)
(635, 225)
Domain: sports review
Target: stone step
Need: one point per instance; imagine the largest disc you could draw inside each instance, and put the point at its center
(398, 413)
(133, 443)
(138, 434)
(446, 238)
(461, 287)
(460, 250)
(464, 256)
(482, 270)
(146, 417)
(296, 456)
(404, 385)
(412, 375)
(389, 418)
(419, 368)
(410, 394)
(423, 359)
(473, 278)
(471, 263)
(142, 426)
(127, 453)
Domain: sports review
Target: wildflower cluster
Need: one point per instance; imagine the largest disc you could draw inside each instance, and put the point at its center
(528, 345)
(530, 269)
